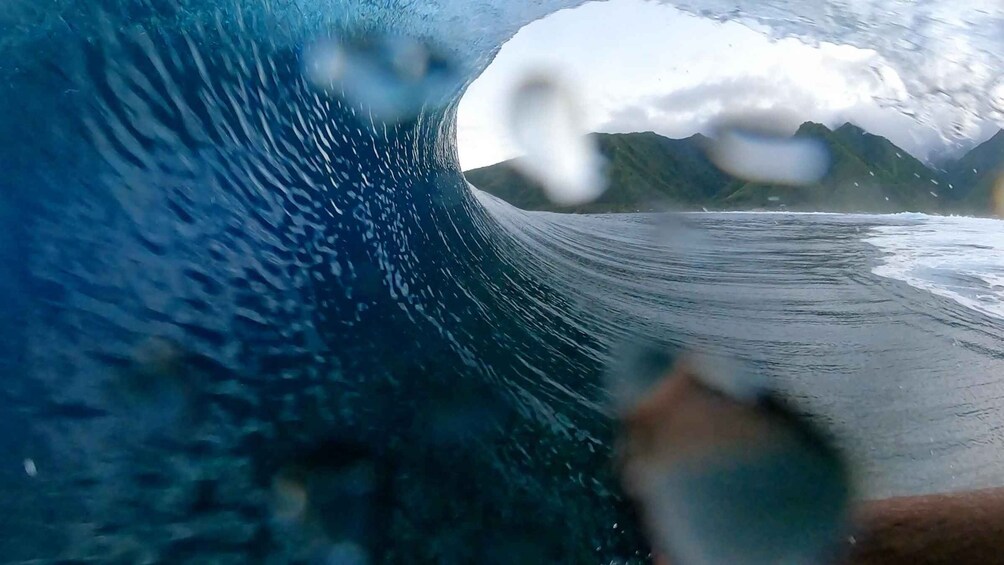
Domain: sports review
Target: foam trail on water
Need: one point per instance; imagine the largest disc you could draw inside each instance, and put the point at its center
(954, 257)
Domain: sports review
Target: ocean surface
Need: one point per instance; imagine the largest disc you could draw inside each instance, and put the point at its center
(888, 328)
(250, 310)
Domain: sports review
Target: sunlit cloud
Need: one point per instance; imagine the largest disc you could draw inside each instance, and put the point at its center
(641, 66)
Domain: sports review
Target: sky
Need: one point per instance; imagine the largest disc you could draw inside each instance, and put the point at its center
(641, 66)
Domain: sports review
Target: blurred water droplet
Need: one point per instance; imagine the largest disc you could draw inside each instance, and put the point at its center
(409, 58)
(546, 123)
(289, 499)
(394, 77)
(158, 356)
(998, 196)
(675, 229)
(29, 468)
(159, 387)
(758, 154)
(723, 478)
(638, 364)
(325, 62)
(727, 376)
(346, 553)
(331, 499)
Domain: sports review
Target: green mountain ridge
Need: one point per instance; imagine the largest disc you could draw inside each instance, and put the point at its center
(973, 176)
(868, 173)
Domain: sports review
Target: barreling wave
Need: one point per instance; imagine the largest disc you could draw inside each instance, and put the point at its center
(213, 267)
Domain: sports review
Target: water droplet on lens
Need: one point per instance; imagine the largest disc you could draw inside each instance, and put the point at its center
(325, 63)
(998, 196)
(723, 476)
(409, 57)
(546, 123)
(393, 77)
(289, 499)
(160, 388)
(346, 553)
(638, 364)
(760, 155)
(331, 501)
(158, 355)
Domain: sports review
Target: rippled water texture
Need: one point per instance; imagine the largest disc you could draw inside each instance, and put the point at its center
(906, 375)
(233, 299)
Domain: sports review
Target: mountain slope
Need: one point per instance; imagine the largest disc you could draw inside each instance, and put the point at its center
(645, 171)
(868, 173)
(975, 173)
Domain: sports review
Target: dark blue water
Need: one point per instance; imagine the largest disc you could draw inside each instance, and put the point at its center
(216, 271)
(224, 285)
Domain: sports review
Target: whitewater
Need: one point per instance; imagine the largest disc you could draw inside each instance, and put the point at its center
(955, 257)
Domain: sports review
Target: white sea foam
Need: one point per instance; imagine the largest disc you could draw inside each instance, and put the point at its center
(954, 257)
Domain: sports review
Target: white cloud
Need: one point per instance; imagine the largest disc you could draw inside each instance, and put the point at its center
(643, 66)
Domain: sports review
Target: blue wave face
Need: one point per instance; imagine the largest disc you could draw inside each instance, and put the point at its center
(227, 290)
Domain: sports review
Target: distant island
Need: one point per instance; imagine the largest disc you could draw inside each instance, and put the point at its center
(868, 173)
